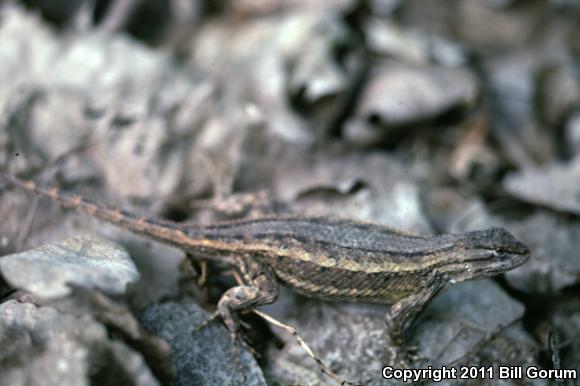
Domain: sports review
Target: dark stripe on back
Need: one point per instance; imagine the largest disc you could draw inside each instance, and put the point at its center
(339, 284)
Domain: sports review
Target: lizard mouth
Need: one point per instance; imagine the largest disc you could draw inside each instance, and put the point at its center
(489, 264)
(506, 262)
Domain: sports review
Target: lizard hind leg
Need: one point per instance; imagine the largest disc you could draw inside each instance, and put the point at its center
(257, 287)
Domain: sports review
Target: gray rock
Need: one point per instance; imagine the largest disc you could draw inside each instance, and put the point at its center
(387, 39)
(555, 186)
(107, 92)
(349, 338)
(511, 78)
(558, 93)
(398, 95)
(384, 7)
(569, 5)
(365, 186)
(572, 135)
(158, 265)
(475, 324)
(88, 260)
(55, 349)
(463, 315)
(290, 55)
(61, 362)
(486, 26)
(453, 212)
(554, 264)
(202, 357)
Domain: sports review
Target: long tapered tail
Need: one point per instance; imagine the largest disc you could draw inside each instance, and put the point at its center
(141, 225)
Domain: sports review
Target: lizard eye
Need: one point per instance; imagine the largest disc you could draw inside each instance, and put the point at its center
(499, 251)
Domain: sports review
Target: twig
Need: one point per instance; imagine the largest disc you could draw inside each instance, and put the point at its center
(292, 331)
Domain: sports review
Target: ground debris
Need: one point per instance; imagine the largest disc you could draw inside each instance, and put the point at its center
(88, 261)
(432, 117)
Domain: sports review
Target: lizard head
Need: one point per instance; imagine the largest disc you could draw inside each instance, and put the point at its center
(487, 253)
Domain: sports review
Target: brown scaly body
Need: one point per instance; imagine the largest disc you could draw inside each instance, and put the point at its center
(332, 259)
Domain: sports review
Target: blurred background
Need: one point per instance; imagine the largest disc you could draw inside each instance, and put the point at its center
(432, 117)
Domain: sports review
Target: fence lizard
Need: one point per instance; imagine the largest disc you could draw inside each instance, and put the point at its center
(333, 259)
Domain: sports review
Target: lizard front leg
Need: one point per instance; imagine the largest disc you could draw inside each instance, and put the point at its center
(402, 314)
(257, 287)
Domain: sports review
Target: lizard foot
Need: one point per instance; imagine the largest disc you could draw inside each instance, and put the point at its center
(396, 355)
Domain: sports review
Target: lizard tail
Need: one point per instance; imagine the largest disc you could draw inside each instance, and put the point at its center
(105, 213)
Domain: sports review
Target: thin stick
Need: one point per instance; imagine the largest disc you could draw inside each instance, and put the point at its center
(27, 223)
(482, 342)
(292, 331)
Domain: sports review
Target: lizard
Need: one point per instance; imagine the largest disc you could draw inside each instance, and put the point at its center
(328, 258)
